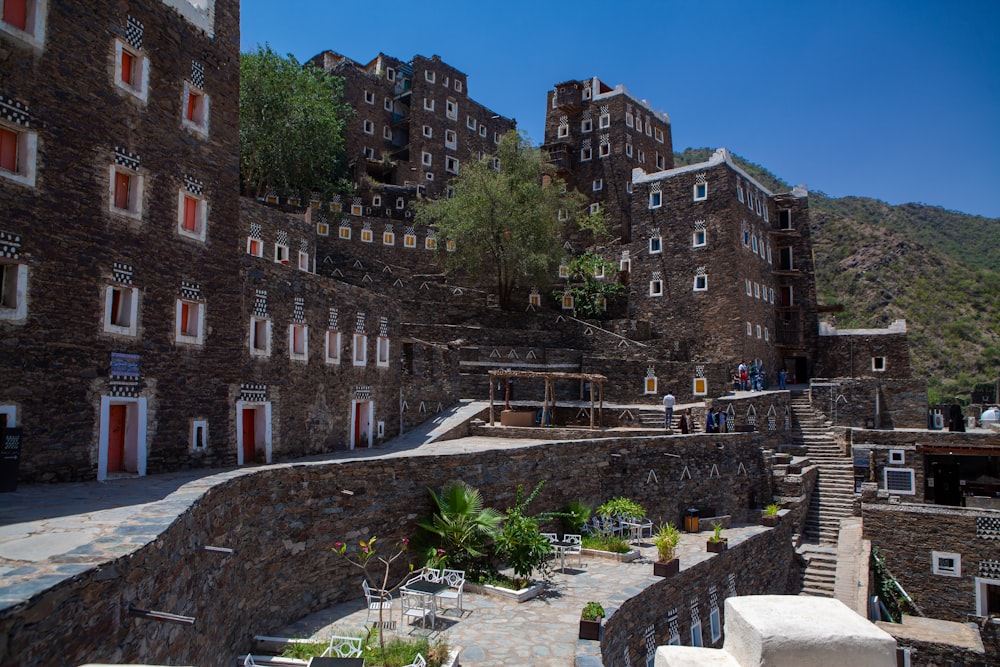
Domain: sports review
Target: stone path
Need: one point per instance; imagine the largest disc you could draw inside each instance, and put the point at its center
(542, 632)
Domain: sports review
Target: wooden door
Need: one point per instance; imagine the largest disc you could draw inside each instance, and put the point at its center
(360, 426)
(249, 435)
(117, 415)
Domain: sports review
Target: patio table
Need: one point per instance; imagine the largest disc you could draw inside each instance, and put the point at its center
(562, 548)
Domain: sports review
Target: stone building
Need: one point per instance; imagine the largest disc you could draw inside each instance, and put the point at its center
(596, 135)
(118, 179)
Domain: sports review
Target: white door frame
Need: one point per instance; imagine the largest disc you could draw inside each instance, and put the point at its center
(259, 425)
(369, 426)
(135, 432)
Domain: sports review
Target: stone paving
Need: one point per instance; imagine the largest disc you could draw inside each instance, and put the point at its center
(542, 632)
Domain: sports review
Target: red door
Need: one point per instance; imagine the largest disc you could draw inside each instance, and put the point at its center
(116, 438)
(359, 426)
(249, 436)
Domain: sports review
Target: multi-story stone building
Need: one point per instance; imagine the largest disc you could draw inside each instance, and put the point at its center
(118, 180)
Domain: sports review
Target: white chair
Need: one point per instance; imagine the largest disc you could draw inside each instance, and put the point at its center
(417, 605)
(377, 598)
(456, 582)
(551, 537)
(417, 662)
(577, 547)
(343, 647)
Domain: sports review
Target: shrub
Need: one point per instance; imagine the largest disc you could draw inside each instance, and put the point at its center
(622, 507)
(592, 611)
(666, 540)
(611, 543)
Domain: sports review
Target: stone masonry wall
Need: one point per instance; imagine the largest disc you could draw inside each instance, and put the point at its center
(282, 521)
(902, 402)
(908, 534)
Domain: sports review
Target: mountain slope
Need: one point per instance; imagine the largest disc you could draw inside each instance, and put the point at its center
(937, 269)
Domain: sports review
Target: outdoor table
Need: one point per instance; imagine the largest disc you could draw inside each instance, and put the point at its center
(425, 587)
(562, 548)
(317, 661)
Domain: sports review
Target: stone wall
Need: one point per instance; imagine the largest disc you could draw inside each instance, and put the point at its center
(908, 534)
(902, 402)
(772, 556)
(282, 521)
(864, 353)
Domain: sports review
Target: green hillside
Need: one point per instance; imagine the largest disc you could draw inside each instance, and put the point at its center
(937, 269)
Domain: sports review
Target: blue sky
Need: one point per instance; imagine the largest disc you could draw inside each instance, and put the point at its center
(894, 100)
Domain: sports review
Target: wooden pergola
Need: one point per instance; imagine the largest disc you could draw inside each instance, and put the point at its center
(549, 400)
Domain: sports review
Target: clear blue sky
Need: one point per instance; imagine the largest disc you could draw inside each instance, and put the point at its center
(894, 100)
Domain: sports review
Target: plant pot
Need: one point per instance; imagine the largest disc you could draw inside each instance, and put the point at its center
(717, 547)
(590, 629)
(770, 521)
(666, 568)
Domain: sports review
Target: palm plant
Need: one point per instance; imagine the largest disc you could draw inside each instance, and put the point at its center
(461, 524)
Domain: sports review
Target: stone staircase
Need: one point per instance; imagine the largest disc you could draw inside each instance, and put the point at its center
(831, 501)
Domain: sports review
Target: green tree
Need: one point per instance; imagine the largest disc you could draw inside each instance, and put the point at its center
(507, 222)
(591, 295)
(520, 544)
(462, 525)
(292, 121)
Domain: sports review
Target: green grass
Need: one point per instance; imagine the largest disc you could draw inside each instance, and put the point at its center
(606, 543)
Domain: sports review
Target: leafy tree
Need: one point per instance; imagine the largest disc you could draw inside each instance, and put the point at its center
(462, 525)
(591, 295)
(520, 544)
(292, 121)
(505, 222)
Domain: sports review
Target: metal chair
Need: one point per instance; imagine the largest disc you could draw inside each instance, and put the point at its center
(377, 598)
(456, 582)
(343, 647)
(416, 605)
(576, 549)
(417, 662)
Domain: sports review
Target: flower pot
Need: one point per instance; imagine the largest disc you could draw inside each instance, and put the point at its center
(717, 547)
(770, 520)
(666, 568)
(590, 629)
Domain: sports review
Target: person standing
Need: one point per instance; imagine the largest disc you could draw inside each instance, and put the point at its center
(668, 410)
(782, 376)
(711, 426)
(743, 376)
(685, 422)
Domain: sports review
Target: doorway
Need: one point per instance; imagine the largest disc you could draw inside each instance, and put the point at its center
(362, 414)
(947, 486)
(253, 433)
(122, 446)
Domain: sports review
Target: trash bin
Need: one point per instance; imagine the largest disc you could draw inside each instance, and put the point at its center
(691, 520)
(10, 456)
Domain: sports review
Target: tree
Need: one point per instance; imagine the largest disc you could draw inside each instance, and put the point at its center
(462, 525)
(591, 294)
(507, 222)
(292, 121)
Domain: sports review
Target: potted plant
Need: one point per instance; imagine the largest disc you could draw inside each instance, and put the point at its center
(666, 539)
(590, 620)
(770, 516)
(717, 543)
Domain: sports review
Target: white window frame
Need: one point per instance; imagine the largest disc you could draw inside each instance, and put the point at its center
(562, 131)
(629, 119)
(369, 97)
(359, 349)
(897, 457)
(655, 245)
(595, 208)
(699, 238)
(450, 139)
(628, 150)
(604, 121)
(879, 364)
(409, 240)
(586, 154)
(303, 261)
(896, 491)
(281, 254)
(265, 328)
(200, 215)
(715, 624)
(429, 76)
(426, 159)
(332, 348)
(597, 185)
(387, 103)
(430, 243)
(428, 131)
(470, 123)
(749, 329)
(34, 29)
(642, 156)
(459, 87)
(344, 232)
(135, 195)
(129, 328)
(655, 288)
(700, 196)
(587, 125)
(696, 638)
(368, 127)
(982, 595)
(658, 134)
(200, 123)
(451, 164)
(257, 244)
(955, 570)
(382, 352)
(760, 332)
(568, 302)
(650, 385)
(199, 426)
(303, 354)
(14, 286)
(482, 130)
(27, 155)
(655, 199)
(451, 109)
(661, 162)
(428, 104)
(140, 71)
(388, 238)
(185, 337)
(604, 150)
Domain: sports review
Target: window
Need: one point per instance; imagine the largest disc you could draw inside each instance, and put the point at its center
(298, 342)
(568, 303)
(753, 244)
(482, 130)
(642, 157)
(449, 192)
(255, 247)
(698, 238)
(749, 329)
(784, 219)
(356, 209)
(746, 238)
(450, 164)
(628, 150)
(429, 176)
(628, 187)
(121, 308)
(604, 150)
(369, 127)
(759, 332)
(428, 104)
(189, 322)
(739, 193)
(897, 456)
(451, 110)
(604, 121)
(496, 137)
(13, 291)
(126, 192)
(563, 215)
(344, 232)
(564, 271)
(655, 288)
(878, 364)
(585, 154)
(898, 480)
(400, 203)
(946, 564)
(390, 74)
(696, 633)
(429, 76)
(369, 153)
(196, 106)
(700, 191)
(586, 125)
(649, 385)
(629, 119)
(599, 271)
(625, 264)
(470, 122)
(658, 134)
(428, 131)
(199, 435)
(771, 294)
(563, 131)
(388, 238)
(450, 139)
(409, 240)
(323, 228)
(767, 336)
(18, 150)
(458, 85)
(336, 207)
(661, 162)
(360, 349)
(377, 200)
(131, 70)
(369, 97)
(699, 387)
(426, 159)
(24, 19)
(303, 261)
(595, 209)
(701, 283)
(387, 104)
(367, 236)
(655, 199)
(281, 253)
(535, 299)
(749, 286)
(382, 352)
(598, 184)
(714, 623)
(766, 217)
(260, 337)
(756, 290)
(333, 347)
(655, 245)
(430, 243)
(191, 214)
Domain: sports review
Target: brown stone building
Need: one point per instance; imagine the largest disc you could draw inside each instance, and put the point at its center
(119, 186)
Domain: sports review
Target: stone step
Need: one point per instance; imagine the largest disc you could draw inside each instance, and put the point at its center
(817, 592)
(818, 580)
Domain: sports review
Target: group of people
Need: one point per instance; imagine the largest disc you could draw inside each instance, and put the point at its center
(715, 420)
(753, 378)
